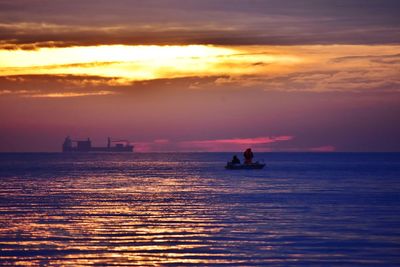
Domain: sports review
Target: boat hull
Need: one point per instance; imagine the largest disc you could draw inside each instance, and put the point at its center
(253, 166)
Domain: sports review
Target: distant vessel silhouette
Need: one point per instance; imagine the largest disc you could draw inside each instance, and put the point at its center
(86, 146)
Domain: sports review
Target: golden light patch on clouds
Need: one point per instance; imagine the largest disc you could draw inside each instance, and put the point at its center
(289, 68)
(70, 94)
(324, 68)
(142, 62)
(40, 94)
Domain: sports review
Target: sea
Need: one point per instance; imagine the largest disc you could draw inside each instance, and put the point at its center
(186, 209)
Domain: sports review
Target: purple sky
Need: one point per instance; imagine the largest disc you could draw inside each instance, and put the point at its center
(314, 75)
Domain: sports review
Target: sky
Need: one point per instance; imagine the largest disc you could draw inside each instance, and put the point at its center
(220, 75)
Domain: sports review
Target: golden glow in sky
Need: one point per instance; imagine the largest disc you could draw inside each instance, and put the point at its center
(288, 68)
(140, 62)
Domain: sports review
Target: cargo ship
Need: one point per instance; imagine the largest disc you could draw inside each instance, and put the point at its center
(70, 145)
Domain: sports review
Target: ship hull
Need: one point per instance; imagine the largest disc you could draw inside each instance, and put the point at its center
(99, 149)
(86, 146)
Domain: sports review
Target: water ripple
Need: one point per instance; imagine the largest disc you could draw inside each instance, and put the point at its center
(185, 209)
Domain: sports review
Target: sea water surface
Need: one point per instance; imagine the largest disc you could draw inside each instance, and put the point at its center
(176, 209)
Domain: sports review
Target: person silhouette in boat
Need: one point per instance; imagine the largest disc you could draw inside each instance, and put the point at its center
(235, 160)
(248, 156)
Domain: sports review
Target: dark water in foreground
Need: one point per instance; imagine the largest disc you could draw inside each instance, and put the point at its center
(185, 209)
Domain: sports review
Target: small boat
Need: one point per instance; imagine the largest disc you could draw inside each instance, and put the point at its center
(252, 166)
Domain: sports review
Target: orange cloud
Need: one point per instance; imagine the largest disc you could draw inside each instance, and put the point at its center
(70, 94)
(270, 68)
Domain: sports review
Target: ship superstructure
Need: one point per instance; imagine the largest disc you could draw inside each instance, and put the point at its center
(85, 145)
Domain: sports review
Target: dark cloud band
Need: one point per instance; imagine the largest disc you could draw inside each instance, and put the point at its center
(32, 24)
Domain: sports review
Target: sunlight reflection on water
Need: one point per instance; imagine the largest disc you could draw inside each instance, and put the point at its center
(158, 209)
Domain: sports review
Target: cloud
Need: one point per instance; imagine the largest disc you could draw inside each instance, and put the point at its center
(157, 145)
(384, 59)
(58, 86)
(18, 92)
(69, 94)
(320, 69)
(295, 68)
(216, 145)
(40, 94)
(78, 85)
(233, 144)
(327, 69)
(28, 25)
(357, 81)
(134, 63)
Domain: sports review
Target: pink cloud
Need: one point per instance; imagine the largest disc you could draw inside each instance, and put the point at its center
(323, 149)
(233, 144)
(142, 147)
(156, 145)
(217, 145)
